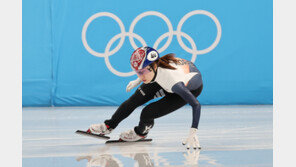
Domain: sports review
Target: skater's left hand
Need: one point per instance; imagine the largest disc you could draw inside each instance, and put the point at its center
(192, 140)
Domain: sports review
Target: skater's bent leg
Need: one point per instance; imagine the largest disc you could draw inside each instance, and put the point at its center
(164, 106)
(123, 111)
(142, 95)
(158, 109)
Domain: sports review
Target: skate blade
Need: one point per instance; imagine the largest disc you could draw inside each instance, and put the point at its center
(122, 141)
(92, 135)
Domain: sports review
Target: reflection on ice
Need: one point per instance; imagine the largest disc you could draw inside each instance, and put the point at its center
(137, 155)
(191, 157)
(139, 159)
(102, 160)
(107, 160)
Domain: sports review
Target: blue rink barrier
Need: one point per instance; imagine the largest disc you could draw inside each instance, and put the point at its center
(77, 53)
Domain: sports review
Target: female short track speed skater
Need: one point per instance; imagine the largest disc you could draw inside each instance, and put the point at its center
(178, 80)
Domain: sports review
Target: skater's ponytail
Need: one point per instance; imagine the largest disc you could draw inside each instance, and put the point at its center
(164, 61)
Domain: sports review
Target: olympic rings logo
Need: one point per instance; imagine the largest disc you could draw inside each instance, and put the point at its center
(132, 35)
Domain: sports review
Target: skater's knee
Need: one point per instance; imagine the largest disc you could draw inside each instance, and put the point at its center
(146, 113)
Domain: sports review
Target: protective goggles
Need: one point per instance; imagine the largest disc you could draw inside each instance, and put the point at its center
(144, 71)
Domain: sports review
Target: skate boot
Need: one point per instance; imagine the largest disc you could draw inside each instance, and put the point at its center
(101, 129)
(131, 135)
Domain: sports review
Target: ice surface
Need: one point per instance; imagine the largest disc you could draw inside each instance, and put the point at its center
(229, 136)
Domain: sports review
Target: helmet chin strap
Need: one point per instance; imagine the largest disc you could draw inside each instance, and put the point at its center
(155, 73)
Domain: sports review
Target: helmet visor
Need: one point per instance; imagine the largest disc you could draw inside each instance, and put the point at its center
(144, 71)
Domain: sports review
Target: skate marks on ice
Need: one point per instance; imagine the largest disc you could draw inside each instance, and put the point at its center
(229, 136)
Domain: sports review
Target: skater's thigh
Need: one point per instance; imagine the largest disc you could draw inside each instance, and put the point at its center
(145, 93)
(164, 106)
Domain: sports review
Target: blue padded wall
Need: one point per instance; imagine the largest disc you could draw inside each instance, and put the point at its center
(61, 69)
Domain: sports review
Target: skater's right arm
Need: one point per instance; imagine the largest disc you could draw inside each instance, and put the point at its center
(133, 84)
